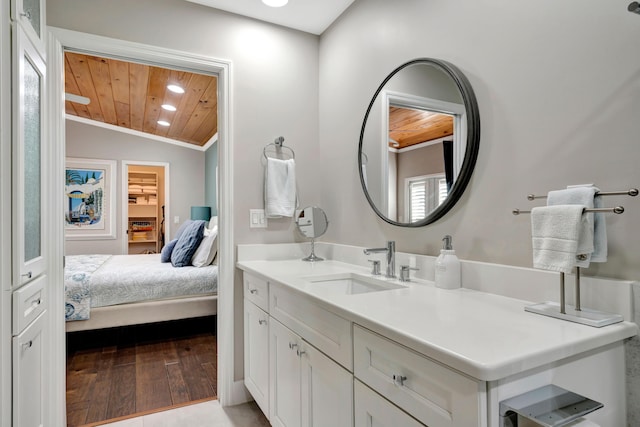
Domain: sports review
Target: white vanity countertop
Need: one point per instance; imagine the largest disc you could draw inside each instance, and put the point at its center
(485, 336)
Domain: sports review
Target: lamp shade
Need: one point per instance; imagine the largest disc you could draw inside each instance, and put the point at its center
(201, 212)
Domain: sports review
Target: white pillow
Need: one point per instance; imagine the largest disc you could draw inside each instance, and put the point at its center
(213, 222)
(207, 250)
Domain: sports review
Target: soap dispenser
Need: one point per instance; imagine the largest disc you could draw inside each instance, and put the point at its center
(447, 275)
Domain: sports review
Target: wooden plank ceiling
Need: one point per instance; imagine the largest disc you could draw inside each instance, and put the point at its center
(408, 126)
(131, 95)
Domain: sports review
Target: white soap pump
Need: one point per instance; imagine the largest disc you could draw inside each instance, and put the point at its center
(447, 274)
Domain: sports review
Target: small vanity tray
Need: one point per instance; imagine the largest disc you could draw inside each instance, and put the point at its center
(585, 316)
(548, 406)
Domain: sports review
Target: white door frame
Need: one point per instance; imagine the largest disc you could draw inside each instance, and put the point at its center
(125, 197)
(229, 391)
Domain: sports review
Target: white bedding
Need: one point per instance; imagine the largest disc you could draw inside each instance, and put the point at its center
(121, 279)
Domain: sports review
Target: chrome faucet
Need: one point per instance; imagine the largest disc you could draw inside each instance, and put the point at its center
(391, 257)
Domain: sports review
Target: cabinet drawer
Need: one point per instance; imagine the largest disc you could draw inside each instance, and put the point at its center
(430, 392)
(371, 410)
(323, 329)
(256, 290)
(28, 302)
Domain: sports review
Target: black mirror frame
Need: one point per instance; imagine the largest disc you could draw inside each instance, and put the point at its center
(472, 148)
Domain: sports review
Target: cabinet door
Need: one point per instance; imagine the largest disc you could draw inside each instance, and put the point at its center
(28, 375)
(30, 14)
(326, 390)
(29, 171)
(256, 354)
(371, 410)
(284, 376)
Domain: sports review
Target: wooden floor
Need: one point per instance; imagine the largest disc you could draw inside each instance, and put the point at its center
(125, 371)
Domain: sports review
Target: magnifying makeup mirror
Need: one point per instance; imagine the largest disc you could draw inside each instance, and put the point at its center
(312, 223)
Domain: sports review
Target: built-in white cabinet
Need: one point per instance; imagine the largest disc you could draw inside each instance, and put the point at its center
(29, 356)
(30, 348)
(429, 391)
(29, 165)
(30, 14)
(312, 352)
(372, 410)
(307, 388)
(256, 354)
(326, 390)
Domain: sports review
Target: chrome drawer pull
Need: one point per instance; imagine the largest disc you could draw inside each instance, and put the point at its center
(262, 322)
(253, 291)
(36, 302)
(28, 275)
(399, 379)
(27, 345)
(26, 14)
(292, 345)
(300, 352)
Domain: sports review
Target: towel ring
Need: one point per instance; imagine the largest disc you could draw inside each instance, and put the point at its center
(278, 145)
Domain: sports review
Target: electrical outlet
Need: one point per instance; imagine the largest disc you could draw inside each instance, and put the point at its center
(257, 219)
(176, 219)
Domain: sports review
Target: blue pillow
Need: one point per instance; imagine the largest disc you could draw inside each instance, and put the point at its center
(165, 254)
(187, 244)
(183, 227)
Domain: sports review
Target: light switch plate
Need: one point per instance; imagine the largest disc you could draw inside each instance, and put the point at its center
(257, 218)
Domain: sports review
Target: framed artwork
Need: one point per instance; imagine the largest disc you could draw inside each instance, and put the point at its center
(89, 194)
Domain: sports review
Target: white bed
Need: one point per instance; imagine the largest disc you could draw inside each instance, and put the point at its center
(104, 291)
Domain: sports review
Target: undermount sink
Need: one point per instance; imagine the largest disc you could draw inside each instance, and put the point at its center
(350, 284)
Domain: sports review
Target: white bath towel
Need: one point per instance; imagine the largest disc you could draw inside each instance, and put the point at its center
(554, 232)
(280, 188)
(600, 244)
(583, 196)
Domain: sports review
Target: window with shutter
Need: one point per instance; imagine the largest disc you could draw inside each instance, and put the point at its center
(424, 194)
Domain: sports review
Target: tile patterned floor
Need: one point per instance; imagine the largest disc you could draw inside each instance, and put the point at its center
(207, 414)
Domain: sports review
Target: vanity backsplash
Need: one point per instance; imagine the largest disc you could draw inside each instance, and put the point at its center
(614, 296)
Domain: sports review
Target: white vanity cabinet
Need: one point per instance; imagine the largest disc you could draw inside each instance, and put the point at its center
(372, 410)
(256, 354)
(293, 382)
(307, 388)
(432, 393)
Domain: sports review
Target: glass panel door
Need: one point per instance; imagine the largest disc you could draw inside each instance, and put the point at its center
(30, 15)
(29, 81)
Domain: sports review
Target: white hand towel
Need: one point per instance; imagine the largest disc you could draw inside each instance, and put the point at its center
(583, 196)
(554, 232)
(600, 250)
(280, 188)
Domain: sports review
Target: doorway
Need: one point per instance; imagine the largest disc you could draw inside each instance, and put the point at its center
(63, 39)
(146, 202)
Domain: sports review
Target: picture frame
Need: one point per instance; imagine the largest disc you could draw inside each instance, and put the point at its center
(90, 200)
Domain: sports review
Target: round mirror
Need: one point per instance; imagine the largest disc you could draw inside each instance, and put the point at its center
(312, 223)
(419, 142)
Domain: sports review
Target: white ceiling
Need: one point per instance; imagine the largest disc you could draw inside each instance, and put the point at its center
(312, 16)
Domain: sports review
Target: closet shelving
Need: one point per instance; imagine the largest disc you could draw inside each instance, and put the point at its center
(143, 212)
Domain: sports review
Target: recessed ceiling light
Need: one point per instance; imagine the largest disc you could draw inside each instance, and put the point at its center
(275, 3)
(175, 88)
(168, 107)
(163, 123)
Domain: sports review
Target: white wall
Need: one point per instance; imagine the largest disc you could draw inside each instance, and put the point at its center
(558, 88)
(275, 93)
(186, 172)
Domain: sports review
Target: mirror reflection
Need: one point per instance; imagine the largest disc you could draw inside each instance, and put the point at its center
(414, 142)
